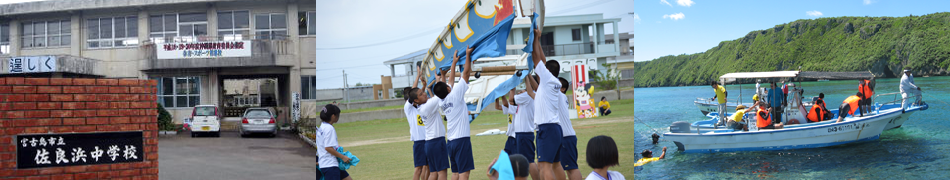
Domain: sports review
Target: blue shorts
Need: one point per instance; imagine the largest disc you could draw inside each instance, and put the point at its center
(569, 152)
(549, 143)
(419, 153)
(526, 145)
(436, 154)
(460, 155)
(511, 146)
(333, 173)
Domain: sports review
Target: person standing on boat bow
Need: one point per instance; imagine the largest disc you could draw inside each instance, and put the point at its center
(908, 87)
(721, 95)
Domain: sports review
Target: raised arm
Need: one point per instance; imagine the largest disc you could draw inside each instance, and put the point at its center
(537, 55)
(455, 60)
(528, 84)
(664, 153)
(498, 105)
(418, 77)
(468, 64)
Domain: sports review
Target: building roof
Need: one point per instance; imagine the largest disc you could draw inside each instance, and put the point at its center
(73, 5)
(551, 21)
(408, 58)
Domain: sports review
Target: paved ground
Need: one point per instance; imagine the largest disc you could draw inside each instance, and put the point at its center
(232, 157)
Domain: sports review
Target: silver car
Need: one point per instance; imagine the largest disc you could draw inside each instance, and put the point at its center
(258, 120)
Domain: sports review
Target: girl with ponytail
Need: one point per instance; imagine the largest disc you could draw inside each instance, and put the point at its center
(327, 145)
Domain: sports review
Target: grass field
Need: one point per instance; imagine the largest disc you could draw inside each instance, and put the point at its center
(385, 151)
(371, 109)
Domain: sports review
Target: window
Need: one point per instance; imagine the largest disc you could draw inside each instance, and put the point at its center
(184, 27)
(306, 23)
(234, 25)
(112, 32)
(45, 33)
(307, 85)
(179, 91)
(270, 26)
(4, 38)
(576, 34)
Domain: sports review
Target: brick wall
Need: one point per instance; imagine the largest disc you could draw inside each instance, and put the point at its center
(66, 105)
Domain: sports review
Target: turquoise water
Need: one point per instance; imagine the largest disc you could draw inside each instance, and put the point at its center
(918, 150)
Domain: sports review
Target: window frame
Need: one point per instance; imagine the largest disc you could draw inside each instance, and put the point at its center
(576, 34)
(308, 87)
(162, 36)
(234, 28)
(5, 33)
(308, 22)
(270, 29)
(131, 38)
(175, 94)
(64, 34)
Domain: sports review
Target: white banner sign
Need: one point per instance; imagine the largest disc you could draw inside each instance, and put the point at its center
(295, 107)
(567, 64)
(216, 49)
(32, 64)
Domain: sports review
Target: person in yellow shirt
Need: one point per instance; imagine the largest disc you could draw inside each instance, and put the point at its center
(735, 122)
(721, 95)
(604, 106)
(648, 157)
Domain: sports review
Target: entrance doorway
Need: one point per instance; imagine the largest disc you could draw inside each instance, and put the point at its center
(242, 93)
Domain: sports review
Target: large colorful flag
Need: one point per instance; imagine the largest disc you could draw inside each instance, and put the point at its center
(482, 24)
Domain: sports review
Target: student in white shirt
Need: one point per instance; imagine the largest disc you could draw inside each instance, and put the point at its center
(524, 124)
(436, 154)
(602, 154)
(456, 113)
(417, 134)
(327, 145)
(569, 138)
(508, 108)
(546, 113)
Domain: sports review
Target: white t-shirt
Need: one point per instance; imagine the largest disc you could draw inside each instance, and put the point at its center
(417, 127)
(432, 119)
(524, 114)
(326, 137)
(567, 129)
(456, 112)
(546, 109)
(614, 175)
(510, 112)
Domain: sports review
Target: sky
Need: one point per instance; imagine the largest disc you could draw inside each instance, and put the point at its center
(409, 26)
(673, 27)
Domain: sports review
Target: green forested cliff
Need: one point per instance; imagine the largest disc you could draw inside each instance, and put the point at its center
(882, 45)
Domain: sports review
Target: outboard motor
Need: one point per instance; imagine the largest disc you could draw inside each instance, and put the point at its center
(679, 127)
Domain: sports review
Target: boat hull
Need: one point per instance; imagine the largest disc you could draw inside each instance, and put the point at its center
(812, 135)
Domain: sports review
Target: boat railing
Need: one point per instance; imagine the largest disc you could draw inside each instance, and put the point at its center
(710, 100)
(895, 98)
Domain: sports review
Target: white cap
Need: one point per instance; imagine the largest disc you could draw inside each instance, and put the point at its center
(907, 70)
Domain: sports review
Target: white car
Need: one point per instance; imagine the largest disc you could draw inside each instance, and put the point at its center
(206, 119)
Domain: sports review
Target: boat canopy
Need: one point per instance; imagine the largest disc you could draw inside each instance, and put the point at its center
(731, 77)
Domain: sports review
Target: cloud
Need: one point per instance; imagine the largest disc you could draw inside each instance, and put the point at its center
(636, 18)
(686, 3)
(814, 13)
(674, 17)
(867, 2)
(666, 2)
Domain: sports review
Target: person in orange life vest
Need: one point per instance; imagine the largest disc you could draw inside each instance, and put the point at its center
(850, 105)
(763, 120)
(818, 111)
(867, 88)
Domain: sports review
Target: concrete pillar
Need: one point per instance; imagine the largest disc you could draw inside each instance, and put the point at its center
(293, 32)
(616, 37)
(597, 38)
(15, 38)
(76, 34)
(143, 26)
(213, 20)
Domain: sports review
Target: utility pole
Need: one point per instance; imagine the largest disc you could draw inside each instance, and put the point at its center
(345, 93)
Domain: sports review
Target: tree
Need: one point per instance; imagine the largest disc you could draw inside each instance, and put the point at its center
(606, 80)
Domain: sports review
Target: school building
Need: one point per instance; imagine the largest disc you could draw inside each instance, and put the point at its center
(230, 53)
(571, 40)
